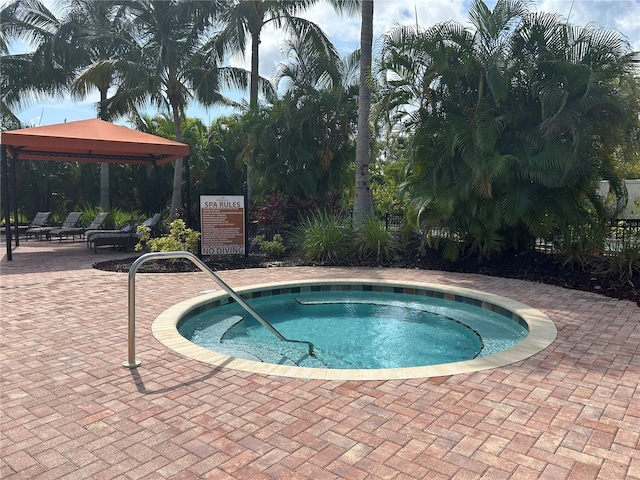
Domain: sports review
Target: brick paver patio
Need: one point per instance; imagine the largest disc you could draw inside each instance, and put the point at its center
(70, 411)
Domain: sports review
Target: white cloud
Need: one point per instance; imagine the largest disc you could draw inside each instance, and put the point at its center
(345, 31)
(621, 15)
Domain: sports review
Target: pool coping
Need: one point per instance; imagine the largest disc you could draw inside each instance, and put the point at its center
(542, 333)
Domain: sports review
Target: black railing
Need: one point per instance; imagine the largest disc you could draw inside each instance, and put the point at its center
(625, 230)
(622, 235)
(393, 220)
(619, 234)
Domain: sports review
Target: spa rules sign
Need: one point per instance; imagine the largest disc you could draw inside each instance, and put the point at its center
(222, 220)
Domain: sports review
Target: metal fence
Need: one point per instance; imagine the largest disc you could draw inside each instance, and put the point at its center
(623, 233)
(620, 233)
(625, 229)
(393, 220)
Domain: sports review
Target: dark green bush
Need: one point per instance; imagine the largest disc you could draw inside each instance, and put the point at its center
(374, 241)
(324, 238)
(274, 247)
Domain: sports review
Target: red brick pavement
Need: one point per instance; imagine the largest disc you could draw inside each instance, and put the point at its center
(70, 411)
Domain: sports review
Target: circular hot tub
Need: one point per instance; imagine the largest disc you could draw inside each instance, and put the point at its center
(409, 330)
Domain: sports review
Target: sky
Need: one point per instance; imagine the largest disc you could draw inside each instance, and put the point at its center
(621, 15)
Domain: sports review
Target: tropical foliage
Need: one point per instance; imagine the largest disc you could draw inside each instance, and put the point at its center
(512, 123)
(302, 143)
(375, 242)
(274, 247)
(179, 238)
(490, 136)
(172, 66)
(28, 77)
(324, 238)
(96, 33)
(243, 23)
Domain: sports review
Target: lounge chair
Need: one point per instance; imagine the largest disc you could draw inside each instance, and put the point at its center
(41, 219)
(72, 232)
(152, 223)
(88, 235)
(71, 221)
(125, 238)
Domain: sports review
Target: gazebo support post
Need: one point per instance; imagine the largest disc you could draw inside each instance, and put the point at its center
(156, 171)
(5, 200)
(14, 167)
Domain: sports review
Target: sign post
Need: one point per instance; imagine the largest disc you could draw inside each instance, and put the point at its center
(222, 225)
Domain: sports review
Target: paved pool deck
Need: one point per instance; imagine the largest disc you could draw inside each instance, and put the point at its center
(69, 410)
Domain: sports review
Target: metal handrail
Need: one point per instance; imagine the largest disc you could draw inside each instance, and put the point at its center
(131, 358)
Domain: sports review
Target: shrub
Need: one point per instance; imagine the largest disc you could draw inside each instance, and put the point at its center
(324, 238)
(89, 213)
(579, 245)
(180, 238)
(623, 265)
(116, 220)
(120, 218)
(274, 247)
(374, 241)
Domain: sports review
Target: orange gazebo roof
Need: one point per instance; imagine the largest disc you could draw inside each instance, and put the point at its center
(91, 140)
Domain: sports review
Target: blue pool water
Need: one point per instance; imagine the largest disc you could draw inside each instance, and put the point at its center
(363, 330)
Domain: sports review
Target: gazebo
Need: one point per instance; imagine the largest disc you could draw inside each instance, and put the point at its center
(90, 140)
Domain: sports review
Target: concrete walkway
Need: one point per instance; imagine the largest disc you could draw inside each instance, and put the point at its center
(70, 411)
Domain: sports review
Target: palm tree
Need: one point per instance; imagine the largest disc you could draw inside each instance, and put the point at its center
(308, 68)
(14, 67)
(26, 77)
(363, 203)
(100, 33)
(302, 143)
(512, 124)
(74, 53)
(244, 21)
(171, 67)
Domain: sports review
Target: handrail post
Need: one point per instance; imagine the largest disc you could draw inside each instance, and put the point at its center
(131, 327)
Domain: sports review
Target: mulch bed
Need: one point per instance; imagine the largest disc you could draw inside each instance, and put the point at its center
(532, 266)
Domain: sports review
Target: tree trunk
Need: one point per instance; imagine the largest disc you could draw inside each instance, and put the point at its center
(363, 202)
(105, 200)
(255, 65)
(176, 196)
(253, 100)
